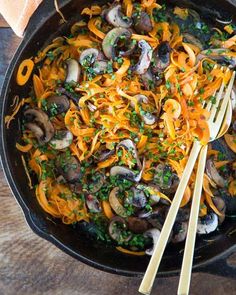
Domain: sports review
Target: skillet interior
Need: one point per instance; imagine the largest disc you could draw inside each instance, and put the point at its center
(65, 237)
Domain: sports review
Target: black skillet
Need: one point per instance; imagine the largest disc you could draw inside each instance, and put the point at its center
(211, 252)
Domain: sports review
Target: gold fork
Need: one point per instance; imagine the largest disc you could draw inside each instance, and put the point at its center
(186, 270)
(217, 113)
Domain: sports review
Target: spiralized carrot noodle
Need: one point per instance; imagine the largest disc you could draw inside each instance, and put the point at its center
(128, 100)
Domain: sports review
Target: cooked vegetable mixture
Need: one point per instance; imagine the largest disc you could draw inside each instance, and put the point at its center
(114, 110)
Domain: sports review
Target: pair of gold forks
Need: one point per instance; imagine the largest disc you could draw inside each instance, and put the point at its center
(217, 114)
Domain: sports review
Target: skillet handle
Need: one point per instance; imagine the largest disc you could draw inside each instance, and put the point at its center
(221, 267)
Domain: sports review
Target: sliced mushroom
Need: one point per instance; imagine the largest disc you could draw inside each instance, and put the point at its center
(111, 39)
(192, 40)
(220, 205)
(61, 140)
(115, 203)
(73, 71)
(214, 174)
(150, 81)
(57, 104)
(140, 99)
(123, 172)
(207, 224)
(183, 215)
(166, 179)
(93, 204)
(220, 55)
(37, 131)
(139, 199)
(88, 57)
(154, 234)
(148, 118)
(96, 182)
(221, 145)
(130, 48)
(38, 122)
(104, 155)
(145, 58)
(161, 57)
(68, 166)
(142, 22)
(115, 17)
(230, 202)
(131, 147)
(137, 225)
(118, 230)
(154, 198)
(180, 230)
(100, 67)
(158, 216)
(76, 187)
(72, 95)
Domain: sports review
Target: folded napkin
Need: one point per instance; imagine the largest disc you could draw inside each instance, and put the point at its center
(18, 12)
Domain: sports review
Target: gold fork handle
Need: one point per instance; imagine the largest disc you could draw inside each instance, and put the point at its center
(155, 260)
(185, 275)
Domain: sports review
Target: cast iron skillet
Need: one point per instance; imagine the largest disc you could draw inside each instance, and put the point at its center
(211, 253)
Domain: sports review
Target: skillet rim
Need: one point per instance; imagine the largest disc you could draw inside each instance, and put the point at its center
(9, 175)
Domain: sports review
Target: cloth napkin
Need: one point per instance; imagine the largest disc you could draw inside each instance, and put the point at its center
(18, 12)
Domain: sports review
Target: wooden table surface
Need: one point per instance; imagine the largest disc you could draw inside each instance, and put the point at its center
(31, 265)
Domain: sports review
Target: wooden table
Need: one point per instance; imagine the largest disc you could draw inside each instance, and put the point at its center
(30, 265)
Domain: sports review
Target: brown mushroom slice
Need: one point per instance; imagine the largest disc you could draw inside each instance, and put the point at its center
(73, 96)
(148, 118)
(161, 57)
(37, 131)
(144, 59)
(180, 230)
(192, 40)
(93, 204)
(44, 130)
(96, 183)
(137, 225)
(115, 17)
(88, 57)
(104, 155)
(73, 71)
(150, 81)
(117, 230)
(130, 48)
(123, 172)
(100, 67)
(61, 140)
(111, 39)
(68, 166)
(139, 199)
(57, 104)
(166, 179)
(115, 204)
(214, 174)
(221, 206)
(154, 234)
(220, 55)
(131, 147)
(127, 173)
(142, 22)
